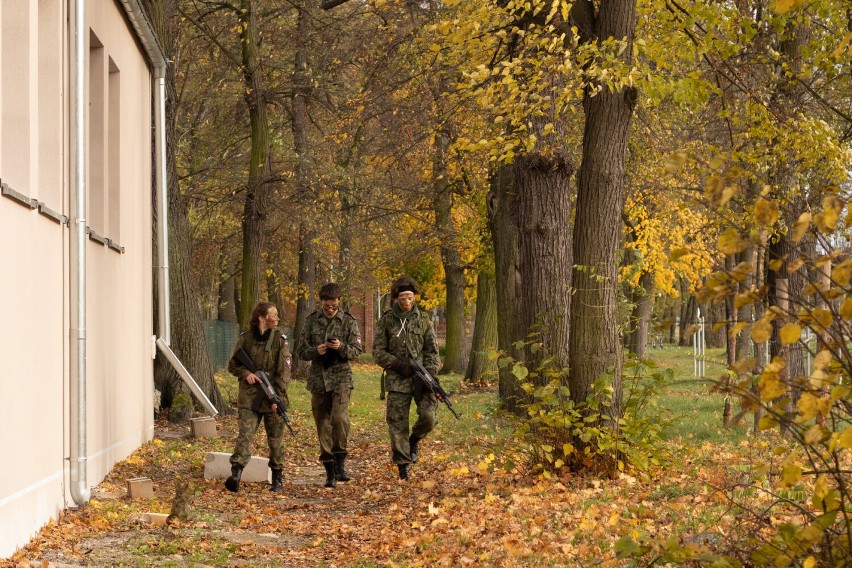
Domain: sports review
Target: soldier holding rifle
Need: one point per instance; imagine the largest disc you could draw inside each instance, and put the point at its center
(405, 334)
(267, 348)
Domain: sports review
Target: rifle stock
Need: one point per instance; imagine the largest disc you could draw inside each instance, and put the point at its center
(433, 385)
(267, 387)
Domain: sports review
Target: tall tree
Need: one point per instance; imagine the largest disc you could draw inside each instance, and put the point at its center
(595, 342)
(255, 209)
(484, 341)
(304, 192)
(450, 256)
(187, 333)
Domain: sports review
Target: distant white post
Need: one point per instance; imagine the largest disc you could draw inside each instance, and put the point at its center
(698, 347)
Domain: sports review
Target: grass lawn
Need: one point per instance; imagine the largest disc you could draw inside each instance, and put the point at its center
(689, 401)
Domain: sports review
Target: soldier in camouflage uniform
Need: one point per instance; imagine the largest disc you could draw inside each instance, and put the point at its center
(330, 340)
(403, 334)
(268, 348)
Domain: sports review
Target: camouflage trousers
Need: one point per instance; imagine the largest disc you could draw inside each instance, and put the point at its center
(398, 408)
(249, 420)
(331, 416)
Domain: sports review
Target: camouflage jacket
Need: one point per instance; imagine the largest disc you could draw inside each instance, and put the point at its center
(275, 362)
(331, 370)
(413, 340)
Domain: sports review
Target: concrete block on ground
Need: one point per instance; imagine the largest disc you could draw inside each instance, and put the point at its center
(155, 519)
(204, 427)
(140, 487)
(217, 465)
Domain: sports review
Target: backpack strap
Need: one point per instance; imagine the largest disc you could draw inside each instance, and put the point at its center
(272, 334)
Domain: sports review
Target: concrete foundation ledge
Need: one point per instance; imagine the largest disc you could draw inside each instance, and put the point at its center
(217, 465)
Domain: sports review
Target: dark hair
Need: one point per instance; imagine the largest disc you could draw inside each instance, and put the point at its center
(260, 311)
(330, 291)
(404, 284)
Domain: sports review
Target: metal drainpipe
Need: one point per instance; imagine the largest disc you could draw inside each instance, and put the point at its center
(78, 459)
(162, 214)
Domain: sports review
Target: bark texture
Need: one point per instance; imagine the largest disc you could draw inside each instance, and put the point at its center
(307, 278)
(450, 257)
(255, 209)
(530, 211)
(484, 329)
(595, 343)
(640, 319)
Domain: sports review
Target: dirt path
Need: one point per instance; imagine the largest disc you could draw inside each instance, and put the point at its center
(357, 523)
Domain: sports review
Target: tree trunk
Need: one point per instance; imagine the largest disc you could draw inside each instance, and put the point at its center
(187, 332)
(715, 314)
(761, 353)
(640, 320)
(746, 313)
(687, 319)
(785, 100)
(257, 190)
(307, 278)
(273, 286)
(226, 307)
(347, 228)
(484, 328)
(453, 270)
(595, 347)
(530, 210)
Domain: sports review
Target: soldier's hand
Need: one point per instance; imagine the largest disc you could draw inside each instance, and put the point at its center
(333, 344)
(402, 368)
(251, 378)
(322, 348)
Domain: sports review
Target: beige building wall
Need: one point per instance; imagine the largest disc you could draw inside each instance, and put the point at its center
(35, 170)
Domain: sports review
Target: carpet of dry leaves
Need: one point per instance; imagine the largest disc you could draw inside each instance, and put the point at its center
(461, 508)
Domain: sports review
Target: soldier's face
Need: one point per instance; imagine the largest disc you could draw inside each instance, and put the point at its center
(405, 301)
(270, 320)
(330, 307)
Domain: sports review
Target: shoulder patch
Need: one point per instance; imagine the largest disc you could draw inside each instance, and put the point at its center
(284, 336)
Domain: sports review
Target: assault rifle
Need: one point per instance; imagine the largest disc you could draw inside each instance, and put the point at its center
(267, 387)
(433, 384)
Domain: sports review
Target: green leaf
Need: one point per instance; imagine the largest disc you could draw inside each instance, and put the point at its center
(520, 371)
(626, 546)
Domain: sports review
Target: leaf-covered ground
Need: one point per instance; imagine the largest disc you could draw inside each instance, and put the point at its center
(460, 508)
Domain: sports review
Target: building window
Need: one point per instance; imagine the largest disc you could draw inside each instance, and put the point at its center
(104, 203)
(16, 93)
(50, 104)
(97, 136)
(113, 203)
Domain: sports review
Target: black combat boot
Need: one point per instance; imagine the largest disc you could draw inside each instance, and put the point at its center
(233, 482)
(403, 471)
(330, 479)
(277, 483)
(412, 448)
(339, 470)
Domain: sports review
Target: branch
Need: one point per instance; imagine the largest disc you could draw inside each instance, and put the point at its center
(329, 4)
(208, 33)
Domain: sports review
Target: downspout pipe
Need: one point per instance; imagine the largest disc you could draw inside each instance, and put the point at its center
(158, 59)
(77, 252)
